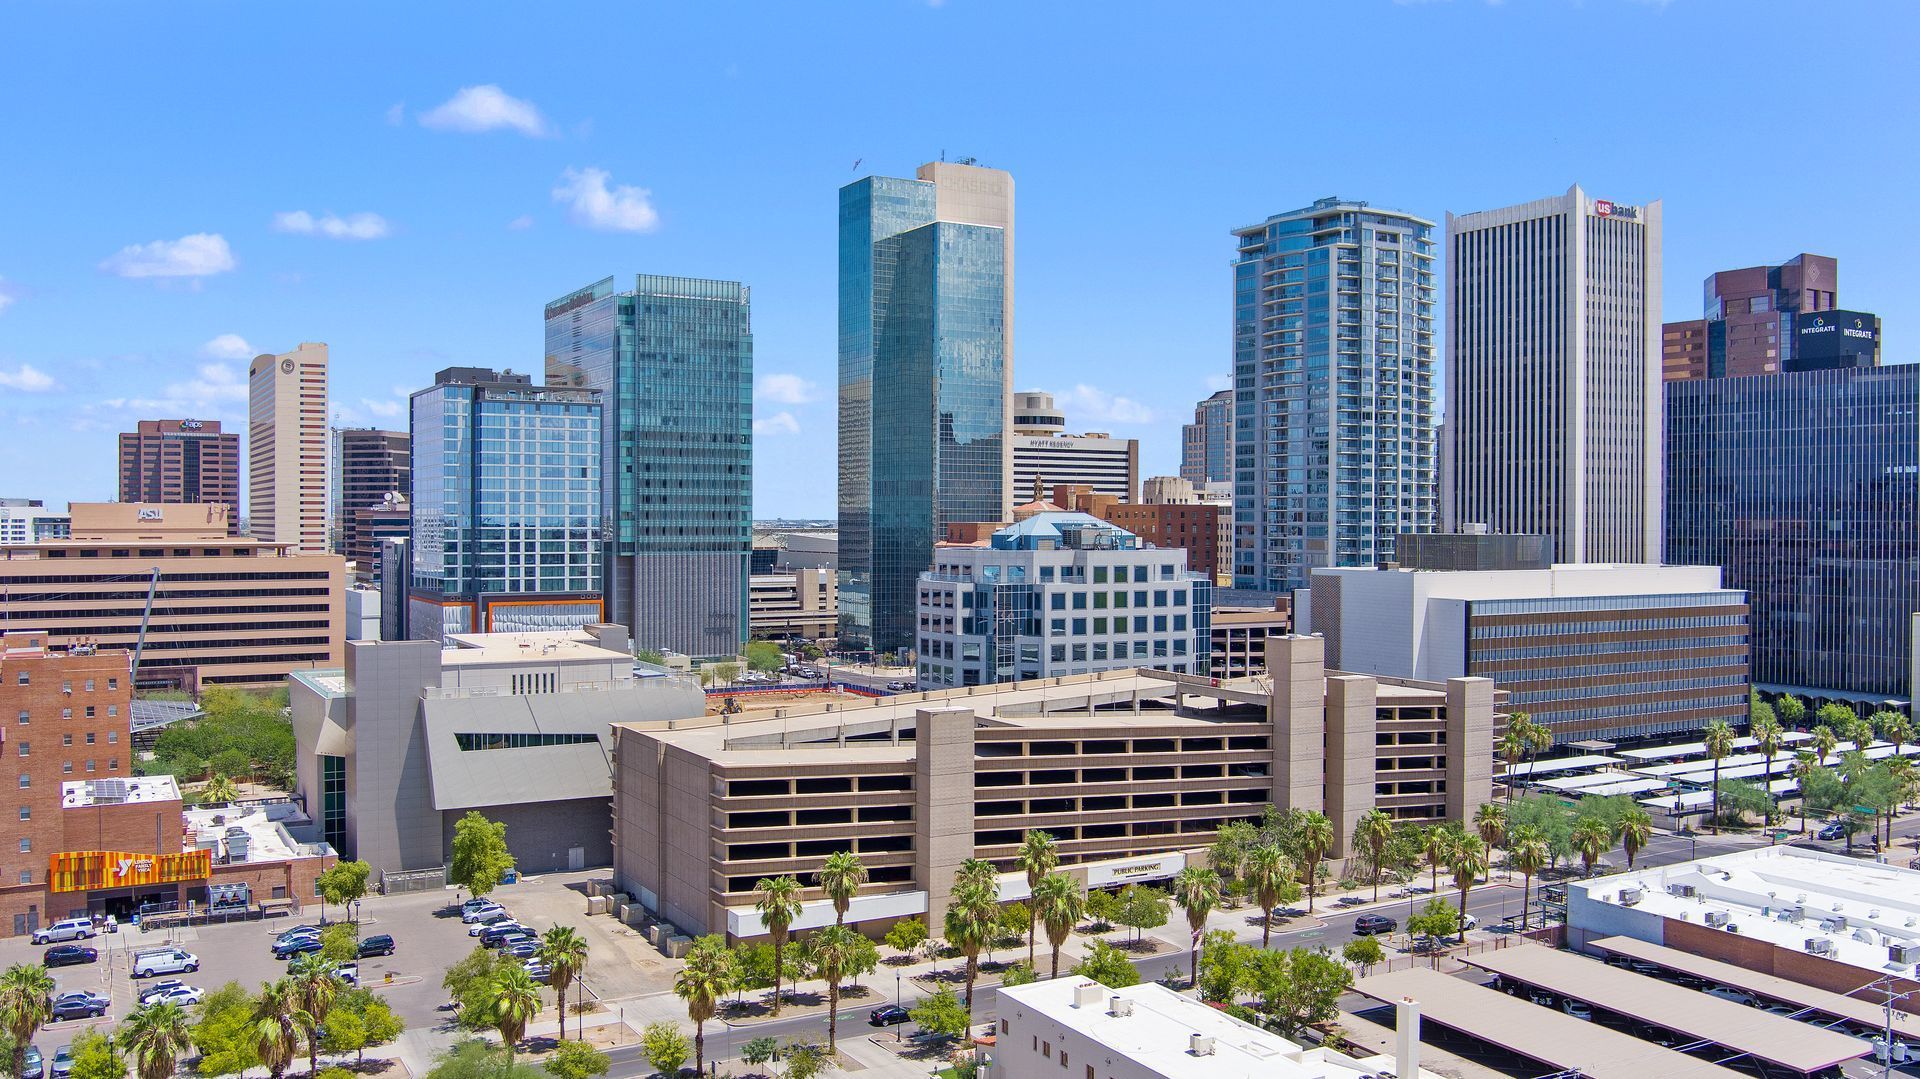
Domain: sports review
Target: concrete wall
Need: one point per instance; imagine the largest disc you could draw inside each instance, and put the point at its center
(943, 801)
(391, 822)
(1470, 723)
(1350, 755)
(540, 835)
(1297, 712)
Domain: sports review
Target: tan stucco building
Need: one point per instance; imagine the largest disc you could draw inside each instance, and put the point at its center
(287, 447)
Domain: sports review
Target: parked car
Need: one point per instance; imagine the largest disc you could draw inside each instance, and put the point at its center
(538, 971)
(378, 944)
(160, 988)
(521, 949)
(890, 1015)
(1369, 924)
(487, 911)
(900, 687)
(1540, 997)
(164, 961)
(1624, 962)
(1579, 1009)
(1833, 829)
(349, 973)
(63, 1062)
(80, 1005)
(184, 995)
(68, 929)
(292, 946)
(491, 936)
(1554, 893)
(66, 955)
(299, 931)
(1738, 996)
(1471, 921)
(36, 1065)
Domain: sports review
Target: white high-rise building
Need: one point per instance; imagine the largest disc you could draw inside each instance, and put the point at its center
(1553, 374)
(1043, 452)
(287, 448)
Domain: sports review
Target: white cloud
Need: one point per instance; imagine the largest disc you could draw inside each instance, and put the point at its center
(397, 113)
(350, 227)
(28, 379)
(386, 410)
(1099, 406)
(622, 209)
(228, 346)
(524, 221)
(784, 390)
(197, 255)
(780, 423)
(1216, 383)
(212, 382)
(7, 296)
(485, 108)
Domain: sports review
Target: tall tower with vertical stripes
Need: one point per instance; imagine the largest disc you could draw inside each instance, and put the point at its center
(1553, 374)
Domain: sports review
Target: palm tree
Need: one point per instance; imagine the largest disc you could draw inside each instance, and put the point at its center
(702, 981)
(1528, 851)
(276, 1024)
(1198, 892)
(1513, 747)
(841, 876)
(1466, 860)
(157, 1036)
(778, 906)
(969, 925)
(1766, 733)
(1490, 822)
(833, 953)
(1372, 834)
(512, 1002)
(1268, 871)
(1591, 839)
(1824, 743)
(1538, 735)
(219, 791)
(1038, 856)
(1437, 843)
(315, 983)
(25, 1007)
(1059, 904)
(1636, 828)
(1316, 839)
(1803, 769)
(980, 873)
(1719, 741)
(564, 951)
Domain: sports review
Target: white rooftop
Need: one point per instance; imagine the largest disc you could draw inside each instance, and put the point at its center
(1157, 1033)
(558, 646)
(102, 792)
(1787, 896)
(254, 834)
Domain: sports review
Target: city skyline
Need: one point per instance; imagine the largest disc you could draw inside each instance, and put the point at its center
(458, 192)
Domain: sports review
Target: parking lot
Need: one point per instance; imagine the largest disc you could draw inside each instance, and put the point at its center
(428, 935)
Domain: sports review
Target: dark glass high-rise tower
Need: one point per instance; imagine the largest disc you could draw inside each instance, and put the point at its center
(926, 320)
(673, 361)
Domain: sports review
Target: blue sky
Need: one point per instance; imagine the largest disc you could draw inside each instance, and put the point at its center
(184, 184)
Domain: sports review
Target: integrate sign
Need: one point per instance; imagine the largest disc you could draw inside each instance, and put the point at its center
(1844, 326)
(1603, 208)
(85, 870)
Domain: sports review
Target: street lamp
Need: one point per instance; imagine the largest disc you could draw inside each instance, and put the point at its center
(896, 1003)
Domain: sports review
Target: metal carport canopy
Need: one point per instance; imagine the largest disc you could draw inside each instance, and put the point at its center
(1544, 1034)
(1772, 986)
(1775, 1039)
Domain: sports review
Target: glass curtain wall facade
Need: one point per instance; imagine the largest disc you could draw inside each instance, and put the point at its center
(507, 505)
(1333, 390)
(923, 396)
(1206, 444)
(673, 361)
(1802, 487)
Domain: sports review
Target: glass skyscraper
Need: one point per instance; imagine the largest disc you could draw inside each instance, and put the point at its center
(506, 511)
(1333, 390)
(673, 361)
(1206, 444)
(926, 275)
(1804, 486)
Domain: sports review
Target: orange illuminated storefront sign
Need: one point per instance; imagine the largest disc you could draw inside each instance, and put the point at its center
(85, 870)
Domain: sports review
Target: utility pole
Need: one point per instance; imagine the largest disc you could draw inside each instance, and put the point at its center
(1885, 985)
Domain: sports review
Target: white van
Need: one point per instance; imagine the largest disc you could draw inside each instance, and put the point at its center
(164, 961)
(70, 929)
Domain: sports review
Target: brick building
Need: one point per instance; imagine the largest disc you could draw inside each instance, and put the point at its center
(170, 462)
(1190, 527)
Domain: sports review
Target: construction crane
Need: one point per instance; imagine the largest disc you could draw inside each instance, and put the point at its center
(140, 643)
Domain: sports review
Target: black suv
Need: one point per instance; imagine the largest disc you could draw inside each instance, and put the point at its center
(1369, 924)
(66, 955)
(381, 944)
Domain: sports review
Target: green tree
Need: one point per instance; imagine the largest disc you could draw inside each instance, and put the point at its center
(1528, 853)
(1107, 965)
(469, 981)
(1198, 893)
(1719, 741)
(704, 978)
(1316, 839)
(1225, 967)
(906, 935)
(764, 656)
(1231, 845)
(475, 1059)
(360, 1020)
(1836, 717)
(1300, 987)
(835, 949)
(649, 655)
(512, 1003)
(315, 981)
(1059, 904)
(223, 1035)
(1018, 973)
(1739, 798)
(1592, 840)
(344, 1032)
(1792, 712)
(1102, 908)
(96, 1056)
(1636, 831)
(725, 673)
(156, 1036)
(1490, 824)
(1439, 841)
(1268, 872)
(24, 1007)
(804, 1060)
(778, 906)
(1538, 738)
(941, 1015)
(1466, 861)
(277, 1022)
(1513, 748)
(564, 951)
(576, 1060)
(1037, 857)
(758, 1051)
(1142, 908)
(339, 943)
(665, 1047)
(1549, 819)
(1372, 838)
(342, 883)
(969, 925)
(481, 859)
(1767, 737)
(841, 876)
(1436, 921)
(1363, 952)
(219, 791)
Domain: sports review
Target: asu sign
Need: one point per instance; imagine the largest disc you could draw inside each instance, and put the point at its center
(86, 870)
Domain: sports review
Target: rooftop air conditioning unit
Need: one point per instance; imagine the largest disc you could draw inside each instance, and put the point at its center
(1819, 946)
(1684, 891)
(1200, 1045)
(1630, 896)
(1119, 1006)
(1903, 953)
(1733, 927)
(1716, 918)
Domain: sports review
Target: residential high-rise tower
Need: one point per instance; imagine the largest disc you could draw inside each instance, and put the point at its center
(1553, 374)
(287, 448)
(673, 361)
(1333, 373)
(926, 365)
